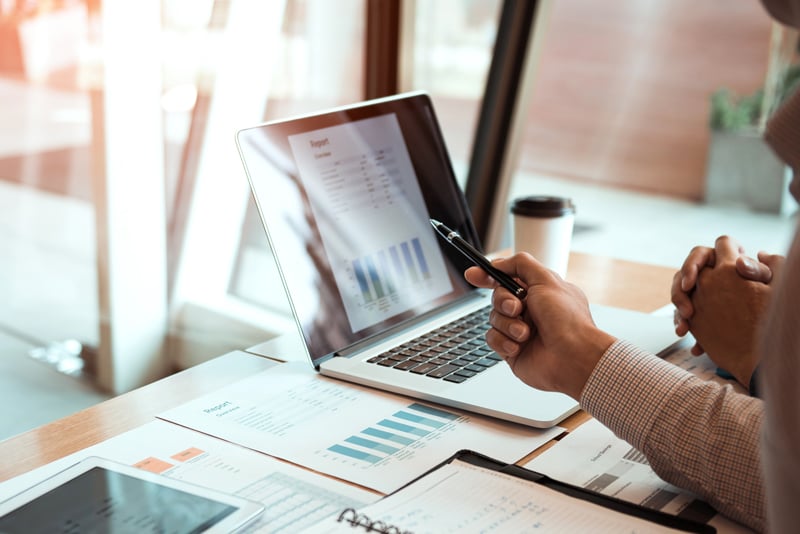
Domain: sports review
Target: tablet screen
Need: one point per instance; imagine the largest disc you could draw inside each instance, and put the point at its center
(101, 500)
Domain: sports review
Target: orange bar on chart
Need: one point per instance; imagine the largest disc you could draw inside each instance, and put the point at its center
(188, 454)
(154, 465)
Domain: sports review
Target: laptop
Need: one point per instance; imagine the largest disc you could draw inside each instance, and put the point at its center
(345, 196)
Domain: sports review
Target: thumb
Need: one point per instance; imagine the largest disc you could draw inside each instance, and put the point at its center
(526, 268)
(773, 261)
(751, 269)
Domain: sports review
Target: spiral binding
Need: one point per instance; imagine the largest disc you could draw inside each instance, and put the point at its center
(354, 519)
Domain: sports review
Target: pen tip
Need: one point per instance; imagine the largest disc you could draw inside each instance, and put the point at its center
(435, 223)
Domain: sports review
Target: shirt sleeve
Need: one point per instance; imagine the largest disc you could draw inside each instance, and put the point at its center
(696, 434)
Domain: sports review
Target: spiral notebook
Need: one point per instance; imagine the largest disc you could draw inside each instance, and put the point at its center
(475, 493)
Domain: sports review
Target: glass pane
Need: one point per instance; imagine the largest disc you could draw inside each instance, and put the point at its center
(319, 66)
(48, 282)
(51, 82)
(452, 49)
(619, 120)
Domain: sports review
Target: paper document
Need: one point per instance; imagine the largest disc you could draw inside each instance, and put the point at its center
(294, 497)
(376, 439)
(460, 497)
(701, 366)
(592, 457)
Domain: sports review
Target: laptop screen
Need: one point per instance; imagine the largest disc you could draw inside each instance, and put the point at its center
(346, 197)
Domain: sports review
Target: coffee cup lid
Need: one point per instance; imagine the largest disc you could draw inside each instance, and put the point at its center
(542, 206)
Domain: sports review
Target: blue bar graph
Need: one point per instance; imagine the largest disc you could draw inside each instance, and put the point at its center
(390, 436)
(373, 275)
(409, 261)
(398, 267)
(386, 272)
(362, 280)
(423, 265)
(427, 421)
(394, 425)
(434, 411)
(383, 260)
(353, 453)
(369, 444)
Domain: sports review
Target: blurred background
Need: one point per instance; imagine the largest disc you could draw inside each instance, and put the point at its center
(130, 244)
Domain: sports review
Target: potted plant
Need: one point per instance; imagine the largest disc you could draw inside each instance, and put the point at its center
(741, 168)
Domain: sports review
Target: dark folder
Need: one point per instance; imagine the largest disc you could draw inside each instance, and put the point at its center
(354, 518)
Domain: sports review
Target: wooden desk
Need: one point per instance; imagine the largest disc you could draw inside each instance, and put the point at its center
(606, 281)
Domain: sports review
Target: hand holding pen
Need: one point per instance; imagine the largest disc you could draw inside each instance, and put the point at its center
(475, 256)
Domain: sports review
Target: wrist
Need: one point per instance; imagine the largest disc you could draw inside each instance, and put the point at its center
(586, 358)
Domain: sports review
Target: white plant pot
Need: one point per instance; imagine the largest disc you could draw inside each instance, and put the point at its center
(742, 170)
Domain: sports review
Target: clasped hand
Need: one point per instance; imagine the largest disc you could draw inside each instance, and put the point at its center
(721, 296)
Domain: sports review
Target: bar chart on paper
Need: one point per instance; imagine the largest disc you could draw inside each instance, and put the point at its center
(395, 436)
(291, 503)
(294, 498)
(368, 437)
(593, 457)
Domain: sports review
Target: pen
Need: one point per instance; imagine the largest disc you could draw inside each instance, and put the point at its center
(479, 259)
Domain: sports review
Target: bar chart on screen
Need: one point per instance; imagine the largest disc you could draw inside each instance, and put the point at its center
(391, 271)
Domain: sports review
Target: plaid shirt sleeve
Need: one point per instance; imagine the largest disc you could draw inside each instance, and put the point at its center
(697, 435)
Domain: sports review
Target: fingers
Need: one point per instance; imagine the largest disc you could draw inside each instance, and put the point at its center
(775, 263)
(681, 299)
(750, 269)
(506, 303)
(503, 345)
(727, 249)
(698, 258)
(681, 326)
(764, 270)
(521, 266)
(478, 277)
(526, 268)
(509, 332)
(513, 328)
(685, 280)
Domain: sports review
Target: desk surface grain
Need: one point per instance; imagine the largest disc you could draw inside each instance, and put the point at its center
(70, 434)
(605, 281)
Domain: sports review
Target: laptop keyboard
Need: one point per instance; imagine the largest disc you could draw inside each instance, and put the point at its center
(454, 352)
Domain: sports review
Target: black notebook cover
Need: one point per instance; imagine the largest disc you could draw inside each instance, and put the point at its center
(355, 519)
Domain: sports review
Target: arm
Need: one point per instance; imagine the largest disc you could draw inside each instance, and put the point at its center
(551, 343)
(696, 434)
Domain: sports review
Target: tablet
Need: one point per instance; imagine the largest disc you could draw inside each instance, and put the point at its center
(97, 495)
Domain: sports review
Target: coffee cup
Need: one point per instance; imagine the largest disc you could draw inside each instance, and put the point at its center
(542, 226)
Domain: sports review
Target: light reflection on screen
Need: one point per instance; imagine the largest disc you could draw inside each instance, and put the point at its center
(103, 501)
(346, 197)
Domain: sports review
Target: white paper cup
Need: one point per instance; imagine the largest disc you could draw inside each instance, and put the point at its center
(542, 226)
